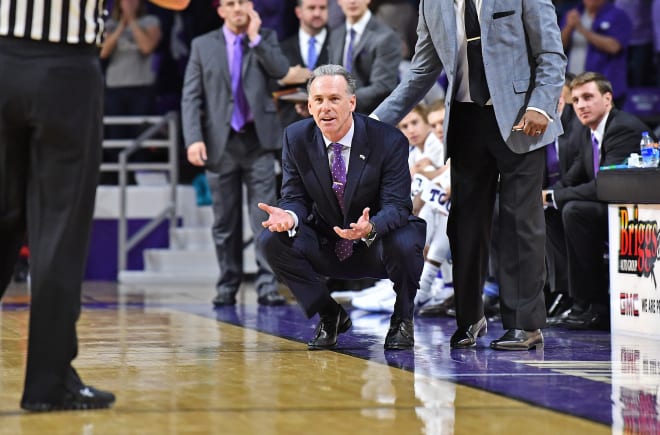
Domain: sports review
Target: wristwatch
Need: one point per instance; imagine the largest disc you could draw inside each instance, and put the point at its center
(369, 238)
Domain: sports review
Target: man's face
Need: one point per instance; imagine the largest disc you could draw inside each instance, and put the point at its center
(436, 120)
(331, 106)
(313, 15)
(590, 105)
(415, 128)
(353, 9)
(235, 14)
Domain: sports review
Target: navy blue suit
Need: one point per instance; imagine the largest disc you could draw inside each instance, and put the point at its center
(378, 177)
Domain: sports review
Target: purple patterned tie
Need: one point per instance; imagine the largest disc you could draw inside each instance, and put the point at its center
(239, 115)
(348, 63)
(343, 247)
(552, 163)
(594, 144)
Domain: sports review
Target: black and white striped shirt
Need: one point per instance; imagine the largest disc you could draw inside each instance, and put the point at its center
(60, 21)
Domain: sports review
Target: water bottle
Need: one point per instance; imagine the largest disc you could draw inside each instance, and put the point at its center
(649, 151)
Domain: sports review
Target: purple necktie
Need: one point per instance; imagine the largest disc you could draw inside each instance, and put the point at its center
(552, 163)
(348, 63)
(239, 115)
(594, 144)
(343, 247)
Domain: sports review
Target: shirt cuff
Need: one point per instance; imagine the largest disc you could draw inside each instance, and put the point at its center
(256, 42)
(292, 232)
(541, 111)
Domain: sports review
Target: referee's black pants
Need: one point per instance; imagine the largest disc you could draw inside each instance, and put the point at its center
(51, 115)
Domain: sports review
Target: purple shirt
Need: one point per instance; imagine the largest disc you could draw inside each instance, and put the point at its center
(639, 12)
(609, 21)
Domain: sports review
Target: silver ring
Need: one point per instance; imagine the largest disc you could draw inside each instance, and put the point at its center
(538, 132)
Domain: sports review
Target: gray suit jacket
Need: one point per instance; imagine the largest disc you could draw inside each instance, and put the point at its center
(207, 101)
(522, 54)
(376, 60)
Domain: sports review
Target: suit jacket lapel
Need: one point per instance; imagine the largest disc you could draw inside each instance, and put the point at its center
(448, 14)
(247, 57)
(486, 19)
(222, 58)
(357, 162)
(321, 167)
(366, 36)
(336, 48)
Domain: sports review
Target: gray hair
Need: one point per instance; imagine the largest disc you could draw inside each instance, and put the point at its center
(332, 70)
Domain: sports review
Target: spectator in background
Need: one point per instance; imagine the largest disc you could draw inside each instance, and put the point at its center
(230, 127)
(641, 68)
(305, 51)
(131, 38)
(369, 50)
(560, 155)
(595, 36)
(607, 137)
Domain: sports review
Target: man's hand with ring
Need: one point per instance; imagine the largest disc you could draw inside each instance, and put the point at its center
(533, 123)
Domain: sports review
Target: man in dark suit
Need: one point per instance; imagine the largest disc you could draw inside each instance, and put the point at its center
(608, 137)
(306, 49)
(505, 67)
(560, 154)
(369, 50)
(345, 210)
(230, 126)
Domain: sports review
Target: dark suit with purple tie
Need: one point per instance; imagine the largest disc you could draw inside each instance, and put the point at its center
(584, 217)
(378, 177)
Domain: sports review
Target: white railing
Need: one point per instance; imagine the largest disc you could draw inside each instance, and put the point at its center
(166, 125)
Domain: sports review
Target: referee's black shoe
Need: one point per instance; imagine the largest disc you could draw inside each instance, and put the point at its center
(85, 397)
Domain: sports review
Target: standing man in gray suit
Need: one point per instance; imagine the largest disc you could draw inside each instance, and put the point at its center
(505, 65)
(230, 126)
(369, 50)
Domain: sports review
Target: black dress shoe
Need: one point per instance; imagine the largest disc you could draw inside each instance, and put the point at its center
(588, 319)
(559, 319)
(224, 299)
(401, 334)
(519, 339)
(467, 336)
(329, 327)
(440, 309)
(271, 299)
(84, 398)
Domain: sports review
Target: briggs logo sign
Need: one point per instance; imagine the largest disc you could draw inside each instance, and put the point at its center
(638, 244)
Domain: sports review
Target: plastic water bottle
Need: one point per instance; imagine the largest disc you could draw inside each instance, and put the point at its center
(648, 151)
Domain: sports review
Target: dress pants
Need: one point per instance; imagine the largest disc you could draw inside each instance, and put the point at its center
(479, 156)
(302, 263)
(51, 117)
(555, 251)
(243, 162)
(585, 225)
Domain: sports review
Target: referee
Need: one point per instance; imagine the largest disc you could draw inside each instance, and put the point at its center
(51, 120)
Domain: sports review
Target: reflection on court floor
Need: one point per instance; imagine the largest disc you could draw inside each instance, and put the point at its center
(179, 366)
